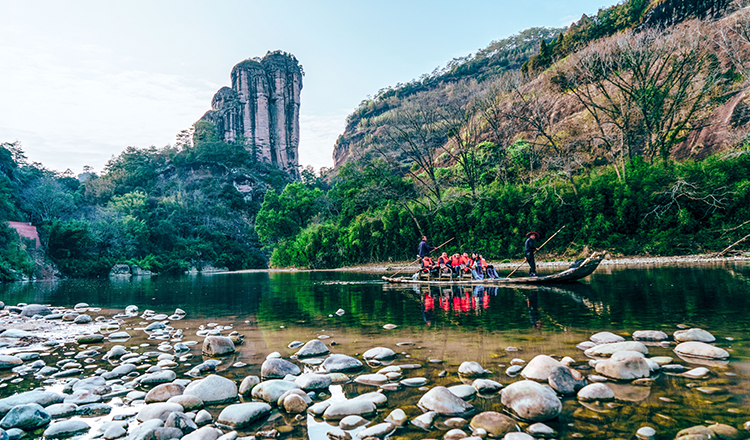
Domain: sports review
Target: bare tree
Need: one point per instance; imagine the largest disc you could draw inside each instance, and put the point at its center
(733, 37)
(650, 88)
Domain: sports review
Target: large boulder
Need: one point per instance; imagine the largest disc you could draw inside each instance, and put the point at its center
(693, 334)
(531, 401)
(442, 401)
(341, 363)
(241, 415)
(700, 350)
(355, 407)
(278, 369)
(213, 389)
(35, 309)
(624, 365)
(217, 346)
(606, 338)
(270, 390)
(27, 417)
(606, 350)
(539, 368)
(496, 424)
(312, 348)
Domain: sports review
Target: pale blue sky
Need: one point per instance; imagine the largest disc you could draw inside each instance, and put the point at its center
(82, 80)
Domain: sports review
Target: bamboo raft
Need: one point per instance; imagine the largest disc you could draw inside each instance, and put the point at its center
(577, 271)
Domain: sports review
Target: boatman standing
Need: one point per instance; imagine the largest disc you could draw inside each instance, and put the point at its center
(529, 249)
(424, 249)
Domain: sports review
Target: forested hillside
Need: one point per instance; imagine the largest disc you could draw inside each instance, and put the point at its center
(630, 127)
(182, 207)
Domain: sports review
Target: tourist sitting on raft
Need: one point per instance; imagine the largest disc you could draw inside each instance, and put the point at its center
(459, 265)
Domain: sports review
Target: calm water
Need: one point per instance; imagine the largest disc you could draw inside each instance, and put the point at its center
(459, 324)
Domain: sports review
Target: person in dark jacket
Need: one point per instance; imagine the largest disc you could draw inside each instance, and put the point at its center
(424, 249)
(529, 248)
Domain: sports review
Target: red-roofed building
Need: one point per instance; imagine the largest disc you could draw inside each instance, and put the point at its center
(26, 230)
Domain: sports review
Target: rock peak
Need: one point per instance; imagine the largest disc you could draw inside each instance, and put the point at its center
(261, 108)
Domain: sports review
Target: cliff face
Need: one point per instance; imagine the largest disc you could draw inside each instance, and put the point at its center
(262, 109)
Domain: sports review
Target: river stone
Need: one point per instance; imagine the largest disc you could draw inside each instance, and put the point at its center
(700, 350)
(27, 417)
(8, 361)
(531, 401)
(94, 410)
(645, 433)
(341, 363)
(247, 384)
(240, 415)
(66, 428)
(43, 398)
(564, 381)
(695, 433)
(355, 407)
(513, 370)
(374, 379)
(188, 402)
(414, 382)
(397, 417)
(313, 381)
(270, 390)
(596, 391)
(518, 436)
(159, 411)
(119, 336)
(539, 368)
(158, 377)
(445, 403)
(217, 346)
(541, 430)
(213, 389)
(317, 409)
(351, 422)
(89, 383)
(205, 433)
(466, 392)
(606, 338)
(605, 350)
(470, 369)
(379, 399)
(425, 420)
(693, 334)
(496, 424)
(163, 392)
(278, 369)
(60, 410)
(82, 319)
(649, 335)
(486, 386)
(380, 430)
(90, 339)
(379, 354)
(203, 417)
(119, 371)
(294, 403)
(14, 333)
(454, 434)
(724, 431)
(697, 373)
(35, 309)
(83, 397)
(312, 348)
(182, 422)
(624, 365)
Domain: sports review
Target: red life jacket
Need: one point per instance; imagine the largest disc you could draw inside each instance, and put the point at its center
(426, 262)
(443, 260)
(455, 261)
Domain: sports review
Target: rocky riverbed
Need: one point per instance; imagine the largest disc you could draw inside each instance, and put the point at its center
(143, 374)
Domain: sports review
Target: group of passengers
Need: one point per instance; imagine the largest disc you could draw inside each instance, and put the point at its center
(457, 265)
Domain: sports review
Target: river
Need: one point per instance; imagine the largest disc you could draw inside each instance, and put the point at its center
(439, 329)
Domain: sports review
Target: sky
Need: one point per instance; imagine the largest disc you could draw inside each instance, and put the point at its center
(82, 80)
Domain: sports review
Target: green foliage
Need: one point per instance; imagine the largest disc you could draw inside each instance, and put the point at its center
(14, 258)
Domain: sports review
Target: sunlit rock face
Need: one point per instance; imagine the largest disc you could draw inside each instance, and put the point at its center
(262, 109)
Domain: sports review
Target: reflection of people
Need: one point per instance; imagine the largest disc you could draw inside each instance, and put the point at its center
(534, 316)
(529, 249)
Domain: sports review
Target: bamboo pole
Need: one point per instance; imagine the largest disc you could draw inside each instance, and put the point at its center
(540, 247)
(417, 261)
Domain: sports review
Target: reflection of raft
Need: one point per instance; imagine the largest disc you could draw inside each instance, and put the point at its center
(578, 270)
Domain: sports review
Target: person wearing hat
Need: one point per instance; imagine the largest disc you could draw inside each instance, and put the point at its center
(529, 249)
